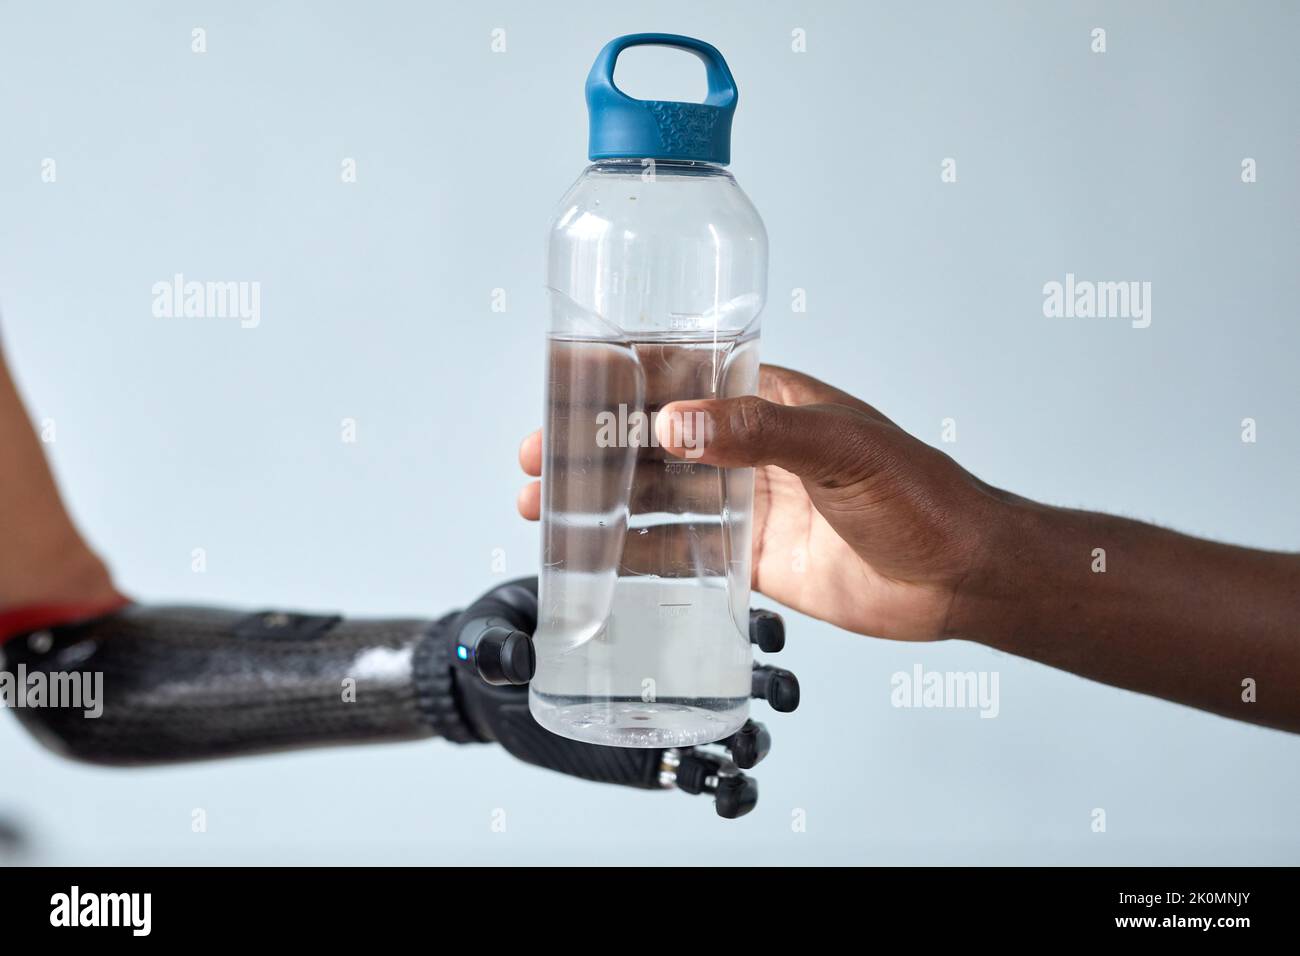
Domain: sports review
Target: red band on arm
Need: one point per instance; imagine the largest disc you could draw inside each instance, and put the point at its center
(36, 617)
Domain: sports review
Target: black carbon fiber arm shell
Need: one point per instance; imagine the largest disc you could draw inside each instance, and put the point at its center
(187, 683)
(191, 683)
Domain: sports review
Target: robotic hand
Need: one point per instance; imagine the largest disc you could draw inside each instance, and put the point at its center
(168, 684)
(494, 660)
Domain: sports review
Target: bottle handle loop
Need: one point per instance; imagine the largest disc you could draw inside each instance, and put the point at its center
(722, 87)
(623, 127)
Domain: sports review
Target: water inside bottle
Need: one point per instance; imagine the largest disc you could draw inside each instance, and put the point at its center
(642, 637)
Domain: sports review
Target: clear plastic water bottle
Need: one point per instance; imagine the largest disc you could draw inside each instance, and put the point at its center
(657, 274)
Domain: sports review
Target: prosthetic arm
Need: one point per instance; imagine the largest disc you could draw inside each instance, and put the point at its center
(185, 683)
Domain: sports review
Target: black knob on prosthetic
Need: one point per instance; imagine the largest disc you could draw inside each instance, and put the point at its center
(696, 772)
(500, 654)
(748, 745)
(778, 687)
(735, 796)
(766, 630)
(491, 635)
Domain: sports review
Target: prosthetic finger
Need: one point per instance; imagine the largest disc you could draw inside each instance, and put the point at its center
(778, 687)
(766, 630)
(500, 654)
(693, 771)
(748, 745)
(493, 634)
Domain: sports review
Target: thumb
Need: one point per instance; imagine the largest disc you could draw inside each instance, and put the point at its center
(827, 445)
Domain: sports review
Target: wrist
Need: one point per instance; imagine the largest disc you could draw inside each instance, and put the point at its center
(64, 572)
(1011, 568)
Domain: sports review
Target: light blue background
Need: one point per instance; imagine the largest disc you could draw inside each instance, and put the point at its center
(923, 298)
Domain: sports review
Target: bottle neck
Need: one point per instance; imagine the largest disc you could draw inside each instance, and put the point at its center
(660, 167)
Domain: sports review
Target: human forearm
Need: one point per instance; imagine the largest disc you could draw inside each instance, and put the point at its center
(1136, 606)
(862, 525)
(43, 559)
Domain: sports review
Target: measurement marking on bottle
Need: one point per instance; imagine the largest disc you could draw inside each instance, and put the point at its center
(672, 612)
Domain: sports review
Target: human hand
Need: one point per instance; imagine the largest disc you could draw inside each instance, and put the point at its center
(856, 522)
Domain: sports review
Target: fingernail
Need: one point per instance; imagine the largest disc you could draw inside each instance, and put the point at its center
(686, 427)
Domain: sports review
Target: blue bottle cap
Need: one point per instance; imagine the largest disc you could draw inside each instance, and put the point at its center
(627, 128)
